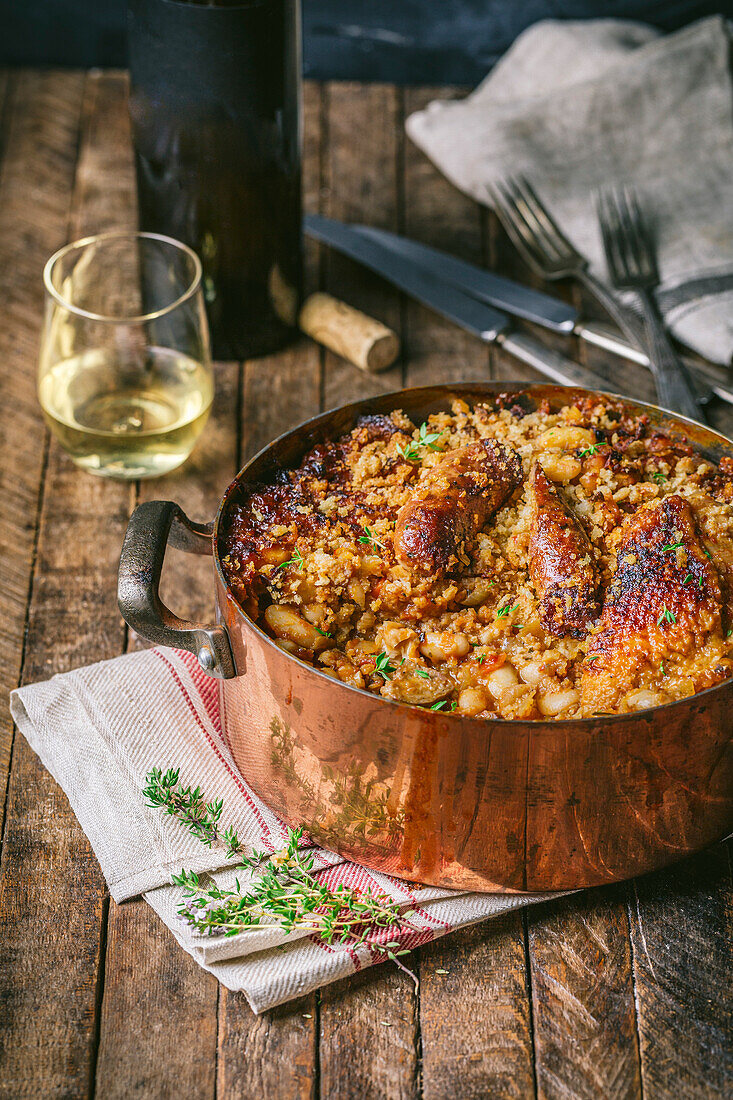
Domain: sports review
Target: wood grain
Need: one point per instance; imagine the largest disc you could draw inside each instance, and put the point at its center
(276, 1054)
(487, 965)
(475, 1014)
(437, 214)
(682, 930)
(48, 867)
(114, 1004)
(40, 129)
(369, 1029)
(361, 162)
(583, 998)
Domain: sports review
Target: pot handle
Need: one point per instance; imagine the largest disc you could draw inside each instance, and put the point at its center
(152, 526)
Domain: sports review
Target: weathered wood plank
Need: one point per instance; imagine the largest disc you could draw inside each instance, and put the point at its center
(360, 165)
(583, 998)
(475, 1014)
(154, 992)
(276, 1054)
(486, 978)
(40, 129)
(682, 930)
(272, 1056)
(52, 896)
(369, 1037)
(437, 214)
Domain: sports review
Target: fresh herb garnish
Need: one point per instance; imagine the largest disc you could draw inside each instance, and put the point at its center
(283, 893)
(593, 656)
(441, 704)
(187, 804)
(323, 633)
(666, 616)
(297, 560)
(659, 477)
(383, 667)
(671, 546)
(424, 439)
(427, 439)
(507, 610)
(592, 450)
(423, 672)
(688, 578)
(369, 538)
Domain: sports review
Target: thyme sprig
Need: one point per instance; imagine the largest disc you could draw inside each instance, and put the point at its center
(424, 439)
(370, 539)
(297, 560)
(283, 892)
(187, 804)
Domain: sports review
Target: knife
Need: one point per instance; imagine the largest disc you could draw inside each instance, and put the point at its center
(516, 299)
(486, 322)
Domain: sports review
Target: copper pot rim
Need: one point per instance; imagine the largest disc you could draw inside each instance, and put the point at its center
(362, 407)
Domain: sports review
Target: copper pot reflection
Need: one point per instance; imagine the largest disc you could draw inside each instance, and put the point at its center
(490, 805)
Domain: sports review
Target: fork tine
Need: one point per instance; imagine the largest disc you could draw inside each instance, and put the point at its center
(606, 222)
(643, 235)
(521, 236)
(630, 233)
(525, 208)
(543, 216)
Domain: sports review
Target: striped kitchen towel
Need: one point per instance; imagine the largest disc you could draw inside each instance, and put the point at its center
(99, 730)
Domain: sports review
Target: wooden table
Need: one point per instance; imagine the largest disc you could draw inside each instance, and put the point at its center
(616, 992)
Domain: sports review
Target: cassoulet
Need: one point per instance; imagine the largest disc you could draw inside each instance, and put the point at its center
(498, 559)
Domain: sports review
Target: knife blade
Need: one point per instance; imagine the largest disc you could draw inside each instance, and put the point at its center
(489, 324)
(516, 299)
(495, 290)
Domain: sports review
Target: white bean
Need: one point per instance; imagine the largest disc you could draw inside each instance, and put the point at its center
(286, 624)
(440, 645)
(554, 702)
(472, 701)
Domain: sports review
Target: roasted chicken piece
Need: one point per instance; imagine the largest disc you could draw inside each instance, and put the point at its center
(561, 561)
(453, 502)
(664, 600)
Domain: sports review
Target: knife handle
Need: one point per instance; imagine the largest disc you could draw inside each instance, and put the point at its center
(551, 363)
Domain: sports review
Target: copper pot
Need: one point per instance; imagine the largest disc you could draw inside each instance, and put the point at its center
(483, 805)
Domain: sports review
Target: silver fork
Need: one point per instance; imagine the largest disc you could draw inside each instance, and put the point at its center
(632, 265)
(547, 250)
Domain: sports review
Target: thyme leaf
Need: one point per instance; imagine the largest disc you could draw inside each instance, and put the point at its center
(370, 539)
(297, 560)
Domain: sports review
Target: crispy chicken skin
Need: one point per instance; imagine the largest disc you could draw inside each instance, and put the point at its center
(560, 561)
(454, 501)
(664, 600)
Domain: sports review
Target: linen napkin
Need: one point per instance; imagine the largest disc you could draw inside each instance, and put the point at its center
(575, 105)
(99, 730)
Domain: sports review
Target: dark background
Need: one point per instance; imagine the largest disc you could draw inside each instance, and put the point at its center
(403, 41)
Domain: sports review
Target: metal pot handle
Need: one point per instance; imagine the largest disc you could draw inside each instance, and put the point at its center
(152, 526)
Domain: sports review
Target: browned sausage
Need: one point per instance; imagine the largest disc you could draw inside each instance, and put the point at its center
(454, 501)
(560, 561)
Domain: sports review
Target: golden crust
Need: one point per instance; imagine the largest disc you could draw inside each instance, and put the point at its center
(492, 610)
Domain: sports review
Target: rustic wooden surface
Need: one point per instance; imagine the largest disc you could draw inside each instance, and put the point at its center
(621, 992)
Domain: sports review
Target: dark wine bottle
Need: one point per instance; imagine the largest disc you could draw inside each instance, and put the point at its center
(215, 109)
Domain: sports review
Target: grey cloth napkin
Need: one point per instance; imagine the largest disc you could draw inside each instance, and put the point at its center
(575, 105)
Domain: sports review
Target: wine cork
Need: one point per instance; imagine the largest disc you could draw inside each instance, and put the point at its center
(364, 341)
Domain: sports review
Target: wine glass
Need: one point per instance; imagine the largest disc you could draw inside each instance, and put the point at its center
(125, 379)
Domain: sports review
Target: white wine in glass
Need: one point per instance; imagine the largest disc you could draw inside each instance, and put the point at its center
(125, 379)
